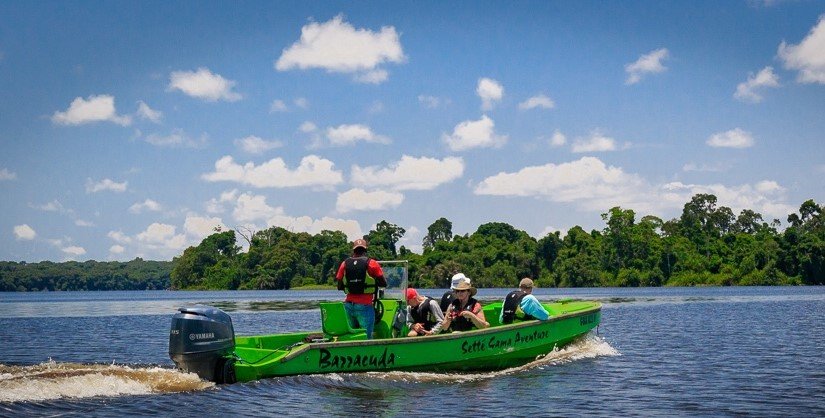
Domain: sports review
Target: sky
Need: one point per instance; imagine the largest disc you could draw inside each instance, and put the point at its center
(134, 129)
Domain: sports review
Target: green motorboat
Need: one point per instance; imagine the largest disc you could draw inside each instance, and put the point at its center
(202, 341)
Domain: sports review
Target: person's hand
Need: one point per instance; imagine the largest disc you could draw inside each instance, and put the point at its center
(467, 314)
(417, 327)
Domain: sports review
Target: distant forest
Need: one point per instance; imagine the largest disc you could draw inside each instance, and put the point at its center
(706, 245)
(89, 275)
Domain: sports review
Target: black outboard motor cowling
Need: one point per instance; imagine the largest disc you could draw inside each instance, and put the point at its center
(201, 340)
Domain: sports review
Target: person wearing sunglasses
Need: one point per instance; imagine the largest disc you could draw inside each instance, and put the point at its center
(464, 313)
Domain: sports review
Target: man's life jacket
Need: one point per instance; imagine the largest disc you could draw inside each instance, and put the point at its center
(459, 322)
(423, 315)
(446, 300)
(356, 279)
(512, 308)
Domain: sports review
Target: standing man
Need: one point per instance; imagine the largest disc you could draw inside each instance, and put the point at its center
(360, 277)
(521, 304)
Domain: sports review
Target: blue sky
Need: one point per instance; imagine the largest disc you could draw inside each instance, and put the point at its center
(133, 128)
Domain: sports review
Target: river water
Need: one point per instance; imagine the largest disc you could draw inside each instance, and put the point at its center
(658, 352)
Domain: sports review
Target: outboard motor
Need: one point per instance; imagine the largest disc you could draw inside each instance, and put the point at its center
(201, 341)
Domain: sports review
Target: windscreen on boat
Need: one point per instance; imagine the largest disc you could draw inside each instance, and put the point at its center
(395, 272)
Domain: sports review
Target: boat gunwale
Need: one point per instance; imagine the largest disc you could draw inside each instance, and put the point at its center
(440, 337)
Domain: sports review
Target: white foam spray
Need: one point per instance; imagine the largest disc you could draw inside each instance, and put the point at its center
(591, 346)
(52, 380)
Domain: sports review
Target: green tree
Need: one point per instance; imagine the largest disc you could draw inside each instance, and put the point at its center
(440, 230)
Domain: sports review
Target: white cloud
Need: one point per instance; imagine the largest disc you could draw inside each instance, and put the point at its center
(337, 46)
(359, 199)
(312, 172)
(410, 173)
(550, 229)
(74, 250)
(117, 249)
(377, 106)
(5, 174)
(200, 227)
(178, 138)
(314, 226)
(765, 197)
(592, 185)
(301, 102)
(558, 139)
(53, 206)
(158, 236)
(146, 112)
(412, 239)
(747, 91)
(711, 168)
(202, 84)
(278, 106)
(84, 224)
(92, 109)
(148, 204)
(587, 181)
(808, 57)
(372, 77)
(350, 134)
(252, 208)
(215, 206)
(105, 185)
(734, 138)
(650, 63)
(119, 237)
(255, 145)
(24, 232)
(430, 102)
(596, 142)
(540, 101)
(490, 92)
(308, 127)
(474, 134)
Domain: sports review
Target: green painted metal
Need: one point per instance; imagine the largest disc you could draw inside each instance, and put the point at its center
(338, 348)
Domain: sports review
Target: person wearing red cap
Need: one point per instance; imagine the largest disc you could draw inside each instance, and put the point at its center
(424, 316)
(354, 277)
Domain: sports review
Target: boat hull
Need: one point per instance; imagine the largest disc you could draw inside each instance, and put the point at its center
(497, 347)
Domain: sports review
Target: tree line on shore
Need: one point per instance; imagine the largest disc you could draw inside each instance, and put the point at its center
(706, 245)
(137, 274)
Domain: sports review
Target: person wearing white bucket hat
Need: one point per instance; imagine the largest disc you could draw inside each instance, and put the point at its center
(465, 313)
(449, 296)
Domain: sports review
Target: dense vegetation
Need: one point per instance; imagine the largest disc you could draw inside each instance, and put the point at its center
(707, 245)
(90, 275)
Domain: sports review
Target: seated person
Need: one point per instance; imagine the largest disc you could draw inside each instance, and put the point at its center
(465, 312)
(424, 316)
(521, 304)
(449, 296)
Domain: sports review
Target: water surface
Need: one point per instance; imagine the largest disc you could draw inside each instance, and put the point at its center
(658, 351)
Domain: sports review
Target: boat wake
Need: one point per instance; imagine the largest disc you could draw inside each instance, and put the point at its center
(591, 346)
(52, 380)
